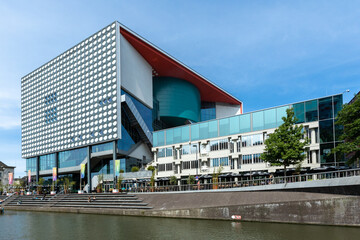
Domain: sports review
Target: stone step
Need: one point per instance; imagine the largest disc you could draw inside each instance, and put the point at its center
(106, 206)
(102, 203)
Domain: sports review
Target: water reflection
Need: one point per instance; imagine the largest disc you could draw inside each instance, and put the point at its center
(36, 225)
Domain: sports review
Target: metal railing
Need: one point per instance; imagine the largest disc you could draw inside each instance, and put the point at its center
(255, 181)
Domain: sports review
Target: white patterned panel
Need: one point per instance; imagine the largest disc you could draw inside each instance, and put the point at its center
(71, 101)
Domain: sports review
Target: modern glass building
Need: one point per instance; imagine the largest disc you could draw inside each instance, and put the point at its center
(102, 99)
(236, 142)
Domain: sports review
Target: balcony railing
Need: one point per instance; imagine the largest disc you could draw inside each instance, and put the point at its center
(252, 182)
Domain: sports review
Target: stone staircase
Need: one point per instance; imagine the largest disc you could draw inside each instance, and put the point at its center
(102, 200)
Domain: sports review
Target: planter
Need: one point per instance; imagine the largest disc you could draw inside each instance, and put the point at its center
(52, 193)
(215, 186)
(80, 192)
(115, 190)
(28, 193)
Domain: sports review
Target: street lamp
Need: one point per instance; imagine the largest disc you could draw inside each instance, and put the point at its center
(195, 145)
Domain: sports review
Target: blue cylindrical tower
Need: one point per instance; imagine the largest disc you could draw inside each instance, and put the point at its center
(179, 100)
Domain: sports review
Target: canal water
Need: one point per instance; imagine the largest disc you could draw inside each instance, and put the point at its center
(39, 225)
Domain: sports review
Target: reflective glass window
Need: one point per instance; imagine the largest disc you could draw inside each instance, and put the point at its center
(258, 121)
(161, 153)
(204, 130)
(213, 129)
(326, 131)
(185, 134)
(161, 138)
(337, 102)
(169, 136)
(326, 157)
(72, 158)
(47, 162)
(325, 108)
(280, 113)
(270, 118)
(311, 111)
(177, 135)
(245, 123)
(339, 130)
(195, 132)
(102, 147)
(224, 127)
(234, 125)
(299, 112)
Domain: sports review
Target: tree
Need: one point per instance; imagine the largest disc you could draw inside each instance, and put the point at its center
(152, 179)
(349, 118)
(173, 180)
(40, 185)
(286, 145)
(191, 180)
(135, 169)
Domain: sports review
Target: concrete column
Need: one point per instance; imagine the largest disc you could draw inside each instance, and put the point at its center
(236, 179)
(312, 135)
(235, 163)
(114, 158)
(37, 169)
(57, 165)
(313, 156)
(89, 167)
(178, 168)
(155, 156)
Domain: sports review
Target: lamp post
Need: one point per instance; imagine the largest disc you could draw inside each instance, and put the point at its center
(195, 145)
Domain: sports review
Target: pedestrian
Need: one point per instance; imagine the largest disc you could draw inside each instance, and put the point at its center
(89, 199)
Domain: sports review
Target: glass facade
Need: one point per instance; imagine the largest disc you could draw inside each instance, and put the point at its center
(72, 158)
(47, 162)
(208, 111)
(308, 111)
(31, 164)
(102, 147)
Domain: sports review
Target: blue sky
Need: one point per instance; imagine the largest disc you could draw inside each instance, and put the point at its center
(265, 53)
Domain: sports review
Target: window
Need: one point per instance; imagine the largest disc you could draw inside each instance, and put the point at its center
(161, 153)
(247, 159)
(214, 162)
(325, 108)
(223, 144)
(258, 139)
(256, 158)
(246, 141)
(224, 161)
(169, 152)
(214, 145)
(326, 131)
(238, 145)
(195, 164)
(208, 111)
(185, 149)
(169, 167)
(186, 165)
(311, 111)
(161, 167)
(299, 112)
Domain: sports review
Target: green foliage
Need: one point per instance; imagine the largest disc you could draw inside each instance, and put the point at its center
(286, 145)
(151, 168)
(122, 171)
(215, 177)
(152, 179)
(100, 182)
(135, 169)
(191, 180)
(173, 180)
(119, 181)
(40, 184)
(349, 117)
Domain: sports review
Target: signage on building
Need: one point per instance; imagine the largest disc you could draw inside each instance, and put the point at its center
(11, 178)
(29, 176)
(54, 174)
(82, 171)
(117, 168)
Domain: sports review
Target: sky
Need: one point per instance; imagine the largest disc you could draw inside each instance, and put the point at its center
(265, 53)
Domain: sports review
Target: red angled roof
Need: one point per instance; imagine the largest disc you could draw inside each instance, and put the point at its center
(167, 66)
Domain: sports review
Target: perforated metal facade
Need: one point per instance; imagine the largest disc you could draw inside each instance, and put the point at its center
(74, 99)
